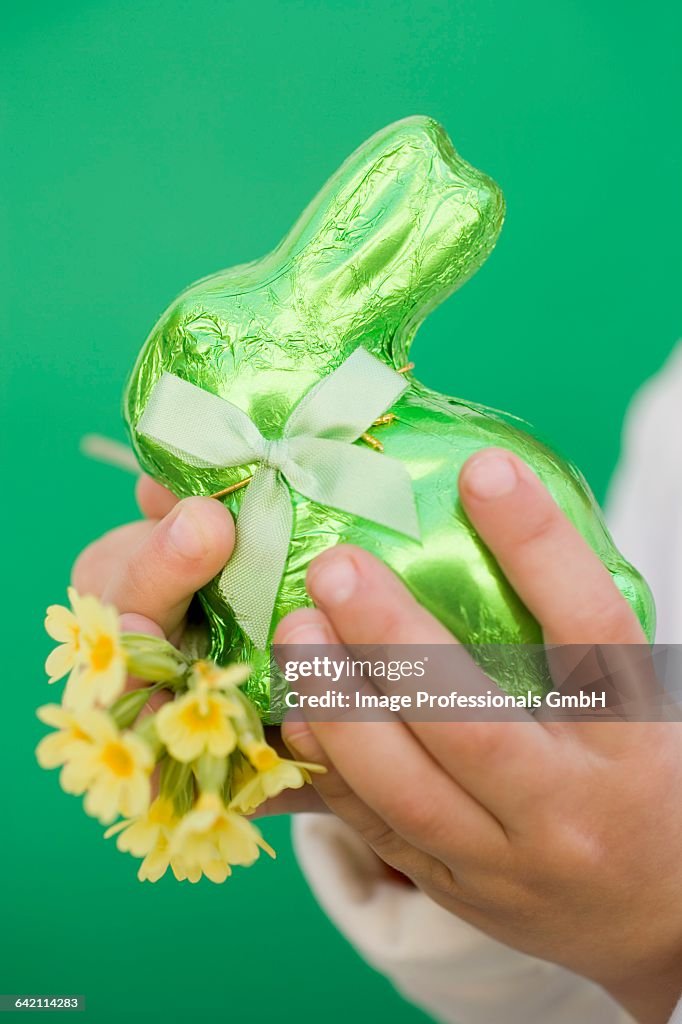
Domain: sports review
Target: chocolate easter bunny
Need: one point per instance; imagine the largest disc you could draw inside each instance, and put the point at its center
(397, 228)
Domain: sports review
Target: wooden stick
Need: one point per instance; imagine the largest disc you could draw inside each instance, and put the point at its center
(231, 488)
(372, 441)
(388, 417)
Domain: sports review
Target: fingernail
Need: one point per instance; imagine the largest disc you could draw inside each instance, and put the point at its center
(307, 633)
(295, 735)
(490, 475)
(333, 580)
(186, 535)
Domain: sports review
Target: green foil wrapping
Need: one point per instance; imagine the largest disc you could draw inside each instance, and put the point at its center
(402, 224)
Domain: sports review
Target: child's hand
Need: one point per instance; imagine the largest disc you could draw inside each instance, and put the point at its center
(151, 569)
(564, 841)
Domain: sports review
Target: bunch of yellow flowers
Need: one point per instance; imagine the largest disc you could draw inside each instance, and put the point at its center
(181, 778)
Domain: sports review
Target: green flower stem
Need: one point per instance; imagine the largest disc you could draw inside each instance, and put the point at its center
(146, 730)
(126, 709)
(247, 722)
(210, 773)
(177, 784)
(154, 659)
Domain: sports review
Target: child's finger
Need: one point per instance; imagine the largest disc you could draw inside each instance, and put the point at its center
(96, 564)
(367, 605)
(292, 801)
(414, 797)
(337, 796)
(544, 557)
(154, 500)
(180, 555)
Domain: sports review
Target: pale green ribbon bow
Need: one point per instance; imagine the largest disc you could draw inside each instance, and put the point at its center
(315, 456)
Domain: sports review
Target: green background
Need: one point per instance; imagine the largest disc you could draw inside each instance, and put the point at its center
(148, 143)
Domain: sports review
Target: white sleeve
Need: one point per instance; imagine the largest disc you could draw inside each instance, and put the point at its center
(645, 500)
(449, 969)
(644, 506)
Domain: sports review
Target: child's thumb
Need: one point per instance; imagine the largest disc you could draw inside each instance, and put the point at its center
(183, 552)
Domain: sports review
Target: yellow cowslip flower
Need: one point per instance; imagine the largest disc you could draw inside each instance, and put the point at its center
(113, 769)
(149, 836)
(195, 723)
(90, 651)
(56, 748)
(261, 755)
(192, 873)
(211, 838)
(101, 671)
(62, 625)
(277, 774)
(206, 675)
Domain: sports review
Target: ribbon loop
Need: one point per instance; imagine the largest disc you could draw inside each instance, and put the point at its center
(344, 404)
(315, 457)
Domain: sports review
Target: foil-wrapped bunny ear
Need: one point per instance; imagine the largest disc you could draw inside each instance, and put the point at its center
(401, 224)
